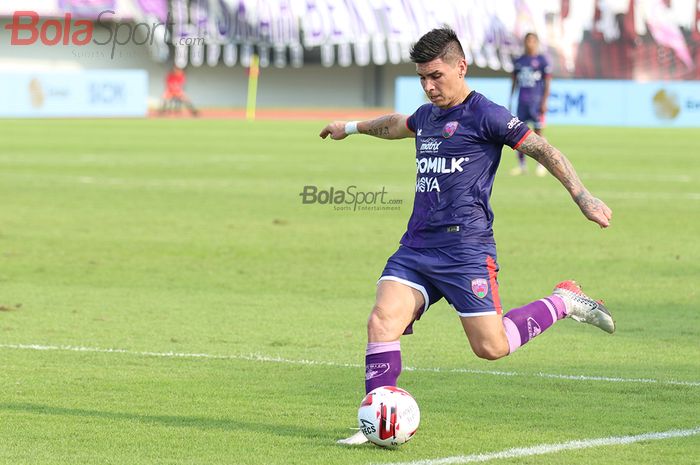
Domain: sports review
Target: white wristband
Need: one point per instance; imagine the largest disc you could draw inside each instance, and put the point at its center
(351, 127)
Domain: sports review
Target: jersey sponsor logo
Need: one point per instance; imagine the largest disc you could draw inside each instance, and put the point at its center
(438, 165)
(427, 184)
(419, 133)
(528, 77)
(376, 369)
(514, 122)
(449, 129)
(480, 287)
(430, 145)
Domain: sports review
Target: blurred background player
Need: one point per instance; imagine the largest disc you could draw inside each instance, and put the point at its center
(531, 76)
(174, 95)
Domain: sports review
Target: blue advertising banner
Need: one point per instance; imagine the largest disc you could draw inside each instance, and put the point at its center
(50, 94)
(588, 102)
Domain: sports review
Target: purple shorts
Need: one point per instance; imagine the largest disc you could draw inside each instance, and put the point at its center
(466, 275)
(530, 113)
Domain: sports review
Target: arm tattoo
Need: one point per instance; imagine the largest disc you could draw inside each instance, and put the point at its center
(382, 131)
(383, 127)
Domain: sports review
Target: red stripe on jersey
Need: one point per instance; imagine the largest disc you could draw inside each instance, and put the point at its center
(406, 124)
(522, 139)
(493, 282)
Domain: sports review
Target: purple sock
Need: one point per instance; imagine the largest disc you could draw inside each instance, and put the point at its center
(382, 364)
(521, 159)
(524, 323)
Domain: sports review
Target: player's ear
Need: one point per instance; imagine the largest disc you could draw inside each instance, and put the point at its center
(462, 67)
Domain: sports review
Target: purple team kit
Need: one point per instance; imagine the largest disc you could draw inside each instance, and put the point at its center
(530, 71)
(448, 249)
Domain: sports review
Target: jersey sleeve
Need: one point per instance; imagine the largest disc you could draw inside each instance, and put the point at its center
(500, 126)
(414, 120)
(411, 122)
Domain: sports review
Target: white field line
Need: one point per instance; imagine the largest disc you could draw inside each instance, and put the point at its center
(268, 359)
(542, 449)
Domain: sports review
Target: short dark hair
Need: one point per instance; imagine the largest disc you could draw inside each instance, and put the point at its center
(531, 34)
(439, 43)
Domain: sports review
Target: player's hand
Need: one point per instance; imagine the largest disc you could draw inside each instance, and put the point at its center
(543, 108)
(595, 209)
(336, 130)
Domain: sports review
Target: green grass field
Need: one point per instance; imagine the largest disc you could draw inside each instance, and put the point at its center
(239, 313)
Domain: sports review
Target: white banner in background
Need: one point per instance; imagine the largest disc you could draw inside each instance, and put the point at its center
(124, 9)
(382, 31)
(364, 31)
(619, 39)
(113, 93)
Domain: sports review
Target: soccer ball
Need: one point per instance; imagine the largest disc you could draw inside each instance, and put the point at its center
(388, 416)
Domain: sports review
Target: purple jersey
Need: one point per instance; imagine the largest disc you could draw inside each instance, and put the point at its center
(530, 72)
(457, 153)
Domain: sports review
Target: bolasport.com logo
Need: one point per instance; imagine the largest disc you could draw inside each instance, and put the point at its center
(29, 28)
(350, 198)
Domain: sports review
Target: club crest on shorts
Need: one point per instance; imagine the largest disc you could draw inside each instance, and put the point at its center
(449, 129)
(376, 369)
(480, 287)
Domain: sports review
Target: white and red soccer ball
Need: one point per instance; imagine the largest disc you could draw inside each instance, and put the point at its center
(388, 416)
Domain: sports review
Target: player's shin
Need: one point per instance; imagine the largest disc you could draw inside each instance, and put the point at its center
(522, 324)
(382, 364)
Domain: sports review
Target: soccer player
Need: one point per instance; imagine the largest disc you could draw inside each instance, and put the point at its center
(174, 95)
(448, 249)
(531, 75)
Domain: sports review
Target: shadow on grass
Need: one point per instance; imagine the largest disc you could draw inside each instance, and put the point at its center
(205, 423)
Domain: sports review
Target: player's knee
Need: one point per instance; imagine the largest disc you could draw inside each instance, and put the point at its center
(379, 318)
(380, 322)
(490, 351)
